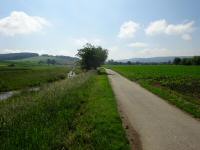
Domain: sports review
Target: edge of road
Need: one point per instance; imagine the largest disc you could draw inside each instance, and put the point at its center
(131, 133)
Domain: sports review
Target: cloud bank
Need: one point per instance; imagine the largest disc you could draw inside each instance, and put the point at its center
(21, 23)
(163, 27)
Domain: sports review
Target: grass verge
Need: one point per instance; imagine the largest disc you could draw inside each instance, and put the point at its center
(71, 114)
(182, 102)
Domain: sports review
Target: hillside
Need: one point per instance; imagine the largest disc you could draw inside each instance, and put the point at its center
(16, 56)
(152, 59)
(38, 59)
(45, 58)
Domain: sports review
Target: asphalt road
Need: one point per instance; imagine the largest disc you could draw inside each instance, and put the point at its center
(160, 125)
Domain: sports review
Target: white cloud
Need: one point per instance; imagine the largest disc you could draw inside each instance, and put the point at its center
(180, 29)
(21, 23)
(128, 29)
(156, 27)
(163, 27)
(186, 37)
(138, 45)
(83, 41)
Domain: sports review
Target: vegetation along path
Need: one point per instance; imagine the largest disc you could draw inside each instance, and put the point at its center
(71, 114)
(160, 125)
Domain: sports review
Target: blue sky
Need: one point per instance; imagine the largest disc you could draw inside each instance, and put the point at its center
(127, 28)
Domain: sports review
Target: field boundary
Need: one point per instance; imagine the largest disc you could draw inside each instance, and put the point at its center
(176, 99)
(131, 133)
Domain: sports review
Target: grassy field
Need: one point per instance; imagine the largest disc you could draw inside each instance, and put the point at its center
(76, 114)
(18, 64)
(13, 78)
(180, 85)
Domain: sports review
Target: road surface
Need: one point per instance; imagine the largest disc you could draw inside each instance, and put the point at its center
(160, 125)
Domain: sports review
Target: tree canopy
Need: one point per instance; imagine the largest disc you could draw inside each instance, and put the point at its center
(91, 56)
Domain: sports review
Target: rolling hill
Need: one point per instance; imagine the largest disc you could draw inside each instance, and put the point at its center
(38, 59)
(62, 60)
(17, 56)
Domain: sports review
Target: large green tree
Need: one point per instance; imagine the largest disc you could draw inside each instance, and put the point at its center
(91, 56)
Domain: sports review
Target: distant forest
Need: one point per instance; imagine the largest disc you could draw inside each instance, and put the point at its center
(177, 61)
(187, 61)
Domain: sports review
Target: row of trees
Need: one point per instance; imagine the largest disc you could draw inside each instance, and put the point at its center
(187, 61)
(112, 62)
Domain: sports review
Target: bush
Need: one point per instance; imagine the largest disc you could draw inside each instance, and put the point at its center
(11, 65)
(101, 71)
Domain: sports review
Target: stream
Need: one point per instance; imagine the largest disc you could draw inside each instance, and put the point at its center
(6, 95)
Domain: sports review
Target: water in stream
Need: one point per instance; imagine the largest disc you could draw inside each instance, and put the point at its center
(6, 95)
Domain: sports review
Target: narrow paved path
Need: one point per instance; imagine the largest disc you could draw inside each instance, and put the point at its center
(160, 125)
